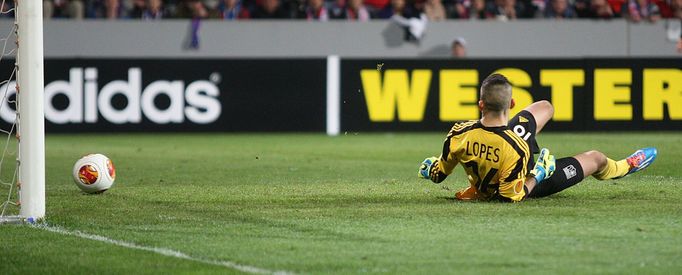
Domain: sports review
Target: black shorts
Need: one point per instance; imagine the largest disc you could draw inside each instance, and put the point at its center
(568, 172)
(523, 124)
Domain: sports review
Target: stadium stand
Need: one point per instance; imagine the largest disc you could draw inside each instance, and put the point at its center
(321, 10)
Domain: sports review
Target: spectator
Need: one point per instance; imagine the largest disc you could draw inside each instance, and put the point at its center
(270, 9)
(192, 9)
(539, 7)
(397, 7)
(616, 6)
(111, 9)
(474, 9)
(138, 8)
(315, 11)
(375, 6)
(63, 9)
(676, 6)
(458, 48)
(664, 8)
(94, 9)
(353, 11)
(582, 8)
(559, 9)
(600, 9)
(154, 10)
(638, 10)
(232, 10)
(357, 11)
(338, 10)
(433, 9)
(504, 10)
(456, 9)
(114, 9)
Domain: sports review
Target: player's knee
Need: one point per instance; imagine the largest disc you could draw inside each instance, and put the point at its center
(598, 157)
(546, 106)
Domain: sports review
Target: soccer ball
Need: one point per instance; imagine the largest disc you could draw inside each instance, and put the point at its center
(94, 173)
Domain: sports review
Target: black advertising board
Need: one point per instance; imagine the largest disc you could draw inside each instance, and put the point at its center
(588, 94)
(284, 95)
(111, 95)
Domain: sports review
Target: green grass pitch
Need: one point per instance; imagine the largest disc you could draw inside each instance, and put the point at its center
(308, 203)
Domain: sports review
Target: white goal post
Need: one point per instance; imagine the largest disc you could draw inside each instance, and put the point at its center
(30, 112)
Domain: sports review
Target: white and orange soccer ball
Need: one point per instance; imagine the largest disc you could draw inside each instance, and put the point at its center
(94, 173)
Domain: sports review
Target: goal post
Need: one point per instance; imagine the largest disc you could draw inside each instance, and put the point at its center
(30, 112)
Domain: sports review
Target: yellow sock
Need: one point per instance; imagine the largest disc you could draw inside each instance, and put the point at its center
(613, 169)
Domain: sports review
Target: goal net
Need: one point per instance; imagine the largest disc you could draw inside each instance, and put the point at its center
(22, 163)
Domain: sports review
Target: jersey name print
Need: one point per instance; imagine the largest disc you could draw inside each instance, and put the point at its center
(483, 150)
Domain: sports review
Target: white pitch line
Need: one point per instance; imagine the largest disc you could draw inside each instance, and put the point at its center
(158, 250)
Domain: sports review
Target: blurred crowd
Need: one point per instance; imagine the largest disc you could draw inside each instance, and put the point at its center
(361, 10)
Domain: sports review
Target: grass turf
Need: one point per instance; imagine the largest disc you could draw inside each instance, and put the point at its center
(350, 204)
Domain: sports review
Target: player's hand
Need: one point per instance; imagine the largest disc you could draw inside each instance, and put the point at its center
(544, 166)
(425, 167)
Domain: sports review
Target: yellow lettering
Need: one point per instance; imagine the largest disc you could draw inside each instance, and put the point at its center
(562, 83)
(519, 79)
(611, 97)
(396, 90)
(458, 95)
(662, 87)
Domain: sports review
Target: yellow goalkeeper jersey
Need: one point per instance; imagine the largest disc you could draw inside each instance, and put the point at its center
(494, 158)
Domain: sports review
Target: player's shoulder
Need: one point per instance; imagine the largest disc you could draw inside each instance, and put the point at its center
(463, 127)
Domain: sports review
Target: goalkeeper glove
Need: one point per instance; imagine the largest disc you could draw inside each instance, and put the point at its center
(544, 166)
(425, 168)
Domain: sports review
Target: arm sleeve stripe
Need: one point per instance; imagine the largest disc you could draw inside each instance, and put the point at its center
(446, 148)
(520, 163)
(462, 127)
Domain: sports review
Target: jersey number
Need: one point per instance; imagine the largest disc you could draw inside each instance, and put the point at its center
(521, 132)
(481, 182)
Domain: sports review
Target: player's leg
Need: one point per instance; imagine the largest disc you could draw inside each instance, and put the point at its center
(524, 125)
(542, 112)
(568, 172)
(572, 170)
(592, 162)
(611, 169)
(530, 121)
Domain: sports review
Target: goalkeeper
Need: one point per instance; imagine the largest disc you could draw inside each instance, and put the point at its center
(497, 153)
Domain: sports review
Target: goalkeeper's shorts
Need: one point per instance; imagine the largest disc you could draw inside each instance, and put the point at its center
(568, 173)
(524, 125)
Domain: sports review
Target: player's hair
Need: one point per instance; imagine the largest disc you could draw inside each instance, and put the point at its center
(496, 93)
